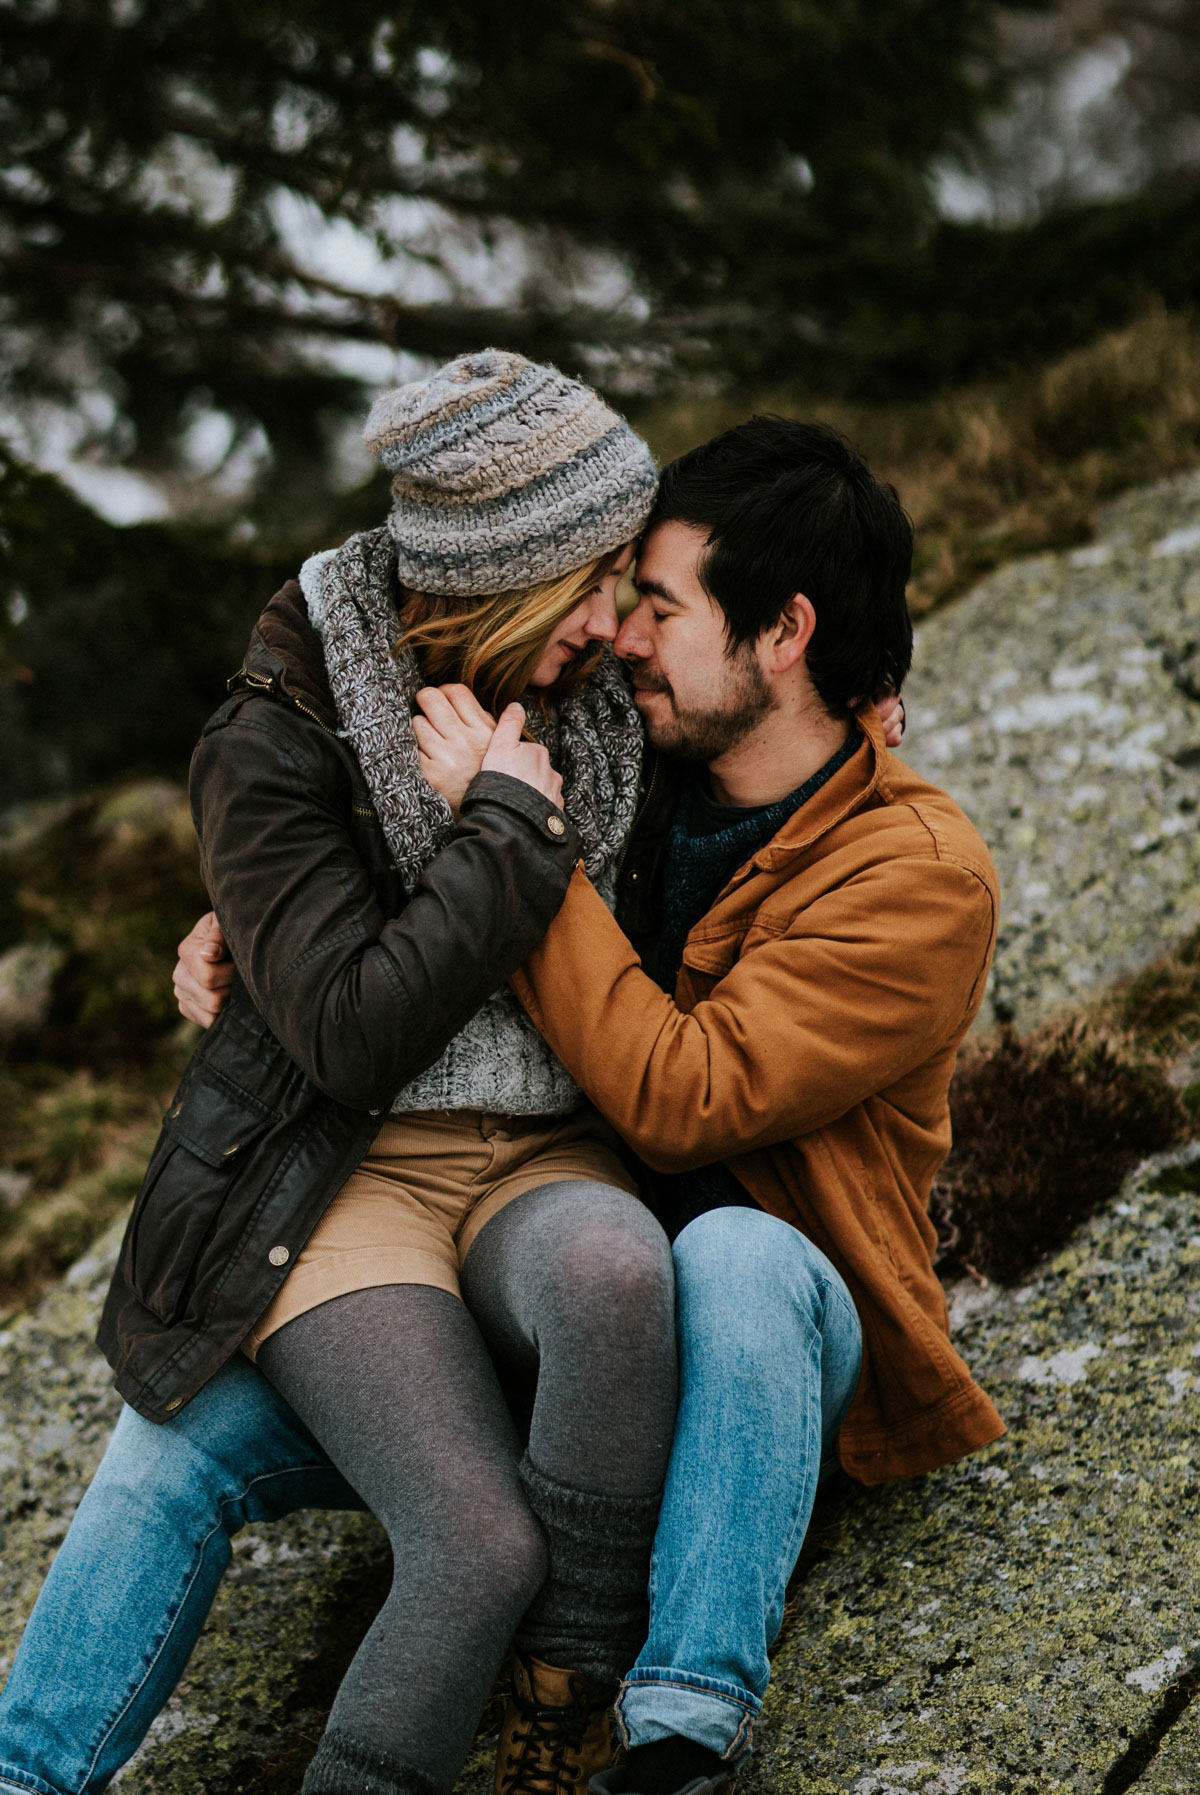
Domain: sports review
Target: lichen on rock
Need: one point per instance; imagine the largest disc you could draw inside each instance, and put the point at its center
(1017, 1623)
(1059, 702)
(1027, 1620)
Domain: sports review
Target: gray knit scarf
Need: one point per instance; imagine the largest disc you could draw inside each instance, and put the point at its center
(498, 1062)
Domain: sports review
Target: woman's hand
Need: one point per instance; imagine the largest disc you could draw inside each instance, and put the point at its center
(453, 734)
(890, 711)
(456, 738)
(203, 972)
(522, 760)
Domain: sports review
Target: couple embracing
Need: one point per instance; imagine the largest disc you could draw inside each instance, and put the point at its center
(552, 1180)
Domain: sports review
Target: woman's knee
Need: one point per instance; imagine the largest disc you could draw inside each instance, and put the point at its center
(604, 1248)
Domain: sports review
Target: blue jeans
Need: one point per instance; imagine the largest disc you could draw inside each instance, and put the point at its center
(142, 1560)
(769, 1354)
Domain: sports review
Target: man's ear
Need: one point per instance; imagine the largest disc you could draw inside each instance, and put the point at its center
(786, 640)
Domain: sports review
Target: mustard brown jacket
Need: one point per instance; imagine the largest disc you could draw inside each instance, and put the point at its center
(816, 1019)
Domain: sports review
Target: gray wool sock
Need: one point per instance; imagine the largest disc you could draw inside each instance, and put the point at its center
(592, 1612)
(343, 1766)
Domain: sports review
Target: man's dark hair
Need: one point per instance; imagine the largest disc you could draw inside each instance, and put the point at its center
(791, 507)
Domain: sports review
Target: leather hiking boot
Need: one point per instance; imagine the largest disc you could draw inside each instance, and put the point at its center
(612, 1782)
(556, 1733)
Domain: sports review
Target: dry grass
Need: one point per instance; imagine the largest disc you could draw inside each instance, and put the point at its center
(1011, 467)
(1047, 1127)
(73, 1147)
(1046, 1130)
(111, 881)
(1161, 1006)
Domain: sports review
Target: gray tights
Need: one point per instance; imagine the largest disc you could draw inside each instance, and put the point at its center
(567, 1324)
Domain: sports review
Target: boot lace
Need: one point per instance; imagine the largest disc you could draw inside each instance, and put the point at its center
(547, 1735)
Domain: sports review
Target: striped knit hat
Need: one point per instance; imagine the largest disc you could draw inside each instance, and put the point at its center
(506, 474)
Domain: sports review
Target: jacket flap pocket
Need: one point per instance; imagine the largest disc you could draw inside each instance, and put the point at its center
(215, 1123)
(714, 957)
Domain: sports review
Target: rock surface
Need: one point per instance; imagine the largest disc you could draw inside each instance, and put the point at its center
(27, 975)
(1026, 1621)
(1022, 1623)
(1059, 702)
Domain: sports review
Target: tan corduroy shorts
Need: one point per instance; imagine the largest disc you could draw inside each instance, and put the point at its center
(410, 1211)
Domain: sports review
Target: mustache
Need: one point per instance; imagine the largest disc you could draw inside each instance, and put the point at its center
(645, 676)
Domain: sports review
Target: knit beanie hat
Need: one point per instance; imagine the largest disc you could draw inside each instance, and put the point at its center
(506, 474)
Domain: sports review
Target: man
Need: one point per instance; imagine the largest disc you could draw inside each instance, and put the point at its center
(814, 925)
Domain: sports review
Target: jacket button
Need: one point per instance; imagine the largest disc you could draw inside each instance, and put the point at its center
(176, 1402)
(178, 1107)
(279, 1255)
(556, 825)
(376, 1112)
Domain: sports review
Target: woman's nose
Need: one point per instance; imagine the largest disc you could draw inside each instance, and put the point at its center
(602, 618)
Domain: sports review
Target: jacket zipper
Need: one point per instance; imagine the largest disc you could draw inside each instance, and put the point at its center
(641, 811)
(258, 683)
(310, 713)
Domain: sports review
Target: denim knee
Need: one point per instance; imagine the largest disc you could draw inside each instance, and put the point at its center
(236, 1444)
(727, 1253)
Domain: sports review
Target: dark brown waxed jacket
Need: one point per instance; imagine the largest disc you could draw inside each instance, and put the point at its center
(345, 990)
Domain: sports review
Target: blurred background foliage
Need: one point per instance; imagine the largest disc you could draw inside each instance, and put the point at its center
(966, 232)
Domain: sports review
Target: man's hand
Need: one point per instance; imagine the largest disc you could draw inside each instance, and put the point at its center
(203, 972)
(522, 760)
(890, 711)
(453, 734)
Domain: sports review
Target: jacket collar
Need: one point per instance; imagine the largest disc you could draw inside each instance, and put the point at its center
(285, 656)
(850, 787)
(848, 790)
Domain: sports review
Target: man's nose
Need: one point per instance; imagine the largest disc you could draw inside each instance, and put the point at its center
(630, 641)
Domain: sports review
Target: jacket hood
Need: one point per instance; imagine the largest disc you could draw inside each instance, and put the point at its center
(286, 649)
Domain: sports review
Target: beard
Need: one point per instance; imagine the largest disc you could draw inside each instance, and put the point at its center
(706, 732)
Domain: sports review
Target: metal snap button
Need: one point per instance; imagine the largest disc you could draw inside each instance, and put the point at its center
(279, 1255)
(556, 825)
(228, 1151)
(175, 1403)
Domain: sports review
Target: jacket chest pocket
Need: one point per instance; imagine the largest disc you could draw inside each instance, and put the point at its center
(705, 964)
(207, 1134)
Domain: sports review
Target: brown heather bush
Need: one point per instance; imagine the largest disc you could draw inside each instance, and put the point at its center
(1161, 1006)
(1046, 1129)
(1011, 467)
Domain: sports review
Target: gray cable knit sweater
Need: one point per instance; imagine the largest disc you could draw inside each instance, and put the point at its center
(498, 1062)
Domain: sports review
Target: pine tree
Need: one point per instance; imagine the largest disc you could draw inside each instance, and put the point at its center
(742, 176)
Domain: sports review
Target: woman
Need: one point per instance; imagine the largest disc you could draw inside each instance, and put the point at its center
(375, 1180)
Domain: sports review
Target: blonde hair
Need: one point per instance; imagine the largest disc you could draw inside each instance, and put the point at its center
(493, 644)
